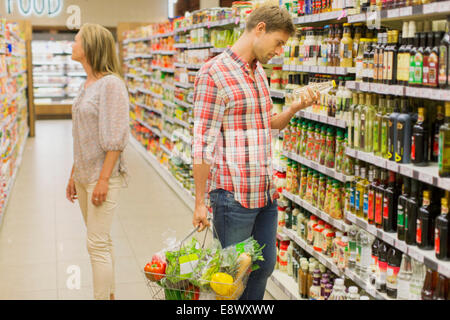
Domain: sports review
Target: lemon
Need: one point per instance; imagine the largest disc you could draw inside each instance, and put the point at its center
(222, 283)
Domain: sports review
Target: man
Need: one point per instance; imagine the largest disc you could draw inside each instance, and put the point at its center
(232, 140)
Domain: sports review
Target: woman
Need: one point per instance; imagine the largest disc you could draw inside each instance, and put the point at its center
(100, 131)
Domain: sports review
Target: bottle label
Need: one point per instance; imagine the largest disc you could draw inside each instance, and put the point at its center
(378, 208)
(371, 212)
(418, 68)
(400, 216)
(366, 205)
(411, 69)
(389, 65)
(386, 208)
(436, 145)
(352, 197)
(392, 274)
(357, 200)
(419, 231)
(413, 148)
(442, 65)
(437, 241)
(441, 152)
(374, 260)
(433, 70)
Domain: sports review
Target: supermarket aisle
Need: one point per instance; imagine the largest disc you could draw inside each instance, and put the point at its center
(42, 234)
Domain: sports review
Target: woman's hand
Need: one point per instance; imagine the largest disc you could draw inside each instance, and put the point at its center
(71, 191)
(100, 192)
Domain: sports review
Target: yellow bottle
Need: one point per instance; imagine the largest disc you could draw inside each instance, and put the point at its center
(346, 48)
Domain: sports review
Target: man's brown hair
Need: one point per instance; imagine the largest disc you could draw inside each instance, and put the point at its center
(275, 18)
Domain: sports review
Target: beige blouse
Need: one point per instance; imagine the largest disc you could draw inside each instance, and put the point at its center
(100, 115)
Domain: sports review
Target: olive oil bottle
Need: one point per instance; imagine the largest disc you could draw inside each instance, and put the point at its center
(444, 144)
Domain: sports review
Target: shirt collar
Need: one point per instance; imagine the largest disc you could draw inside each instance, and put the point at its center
(243, 64)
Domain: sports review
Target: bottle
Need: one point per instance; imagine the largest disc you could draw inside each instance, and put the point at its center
(417, 280)
(392, 53)
(338, 292)
(357, 122)
(374, 262)
(440, 116)
(346, 48)
(402, 200)
(353, 293)
(361, 188)
(336, 44)
(377, 126)
(382, 267)
(403, 150)
(350, 120)
(404, 278)
(370, 119)
(363, 122)
(372, 191)
(310, 231)
(382, 72)
(340, 151)
(392, 138)
(403, 57)
(366, 62)
(412, 208)
(379, 200)
(385, 130)
(352, 233)
(429, 285)
(433, 61)
(303, 279)
(426, 55)
(393, 269)
(390, 205)
(425, 223)
(443, 59)
(354, 206)
(444, 144)
(441, 237)
(371, 60)
(314, 290)
(413, 77)
(418, 60)
(359, 60)
(419, 141)
(441, 288)
(363, 247)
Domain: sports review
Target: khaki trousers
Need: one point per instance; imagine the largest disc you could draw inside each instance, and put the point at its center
(98, 221)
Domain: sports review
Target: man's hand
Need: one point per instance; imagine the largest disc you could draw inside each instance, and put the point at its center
(306, 99)
(200, 219)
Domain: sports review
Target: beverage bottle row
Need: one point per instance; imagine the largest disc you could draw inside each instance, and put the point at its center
(400, 129)
(403, 205)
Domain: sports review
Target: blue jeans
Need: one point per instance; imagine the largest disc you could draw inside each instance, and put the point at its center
(234, 223)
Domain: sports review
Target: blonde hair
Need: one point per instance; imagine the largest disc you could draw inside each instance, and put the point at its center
(100, 49)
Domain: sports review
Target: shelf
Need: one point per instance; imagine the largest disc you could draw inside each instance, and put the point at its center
(320, 17)
(187, 65)
(163, 35)
(149, 108)
(133, 76)
(286, 283)
(326, 261)
(155, 131)
(164, 52)
(184, 85)
(167, 151)
(49, 85)
(168, 104)
(182, 137)
(278, 168)
(183, 103)
(76, 74)
(339, 224)
(126, 41)
(403, 91)
(323, 119)
(48, 74)
(425, 256)
(165, 174)
(168, 70)
(276, 61)
(181, 123)
(280, 94)
(429, 174)
(320, 69)
(218, 50)
(138, 56)
(209, 24)
(318, 167)
(191, 46)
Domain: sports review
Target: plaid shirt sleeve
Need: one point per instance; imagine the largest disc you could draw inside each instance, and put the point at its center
(209, 108)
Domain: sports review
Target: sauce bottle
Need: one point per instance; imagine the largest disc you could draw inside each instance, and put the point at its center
(392, 138)
(429, 285)
(372, 191)
(386, 113)
(335, 44)
(412, 208)
(433, 61)
(413, 77)
(390, 201)
(403, 150)
(441, 288)
(346, 48)
(425, 223)
(441, 236)
(393, 269)
(379, 201)
(419, 141)
(401, 207)
(392, 58)
(382, 266)
(403, 57)
(444, 144)
(426, 56)
(443, 60)
(377, 126)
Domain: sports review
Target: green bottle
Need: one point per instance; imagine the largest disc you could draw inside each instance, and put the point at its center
(340, 150)
(357, 122)
(370, 118)
(305, 138)
(350, 121)
(385, 131)
(444, 144)
(323, 146)
(377, 127)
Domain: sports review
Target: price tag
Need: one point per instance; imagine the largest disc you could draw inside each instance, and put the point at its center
(406, 11)
(350, 84)
(426, 178)
(391, 165)
(393, 13)
(429, 8)
(406, 171)
(331, 70)
(314, 69)
(372, 229)
(308, 18)
(444, 183)
(315, 17)
(415, 254)
(330, 172)
(444, 6)
(401, 245)
(306, 68)
(331, 121)
(350, 152)
(445, 95)
(364, 86)
(388, 238)
(444, 268)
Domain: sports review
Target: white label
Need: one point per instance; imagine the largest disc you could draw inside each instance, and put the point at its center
(406, 11)
(394, 13)
(188, 264)
(425, 178)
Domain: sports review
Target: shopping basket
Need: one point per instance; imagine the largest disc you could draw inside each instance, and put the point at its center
(184, 282)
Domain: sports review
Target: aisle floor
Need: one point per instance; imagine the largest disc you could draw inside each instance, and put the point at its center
(43, 236)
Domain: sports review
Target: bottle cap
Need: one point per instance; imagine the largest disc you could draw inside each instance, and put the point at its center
(364, 298)
(339, 282)
(353, 289)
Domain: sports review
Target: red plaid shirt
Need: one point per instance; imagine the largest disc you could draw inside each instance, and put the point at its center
(232, 130)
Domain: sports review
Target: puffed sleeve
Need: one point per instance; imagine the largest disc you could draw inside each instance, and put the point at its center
(114, 115)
